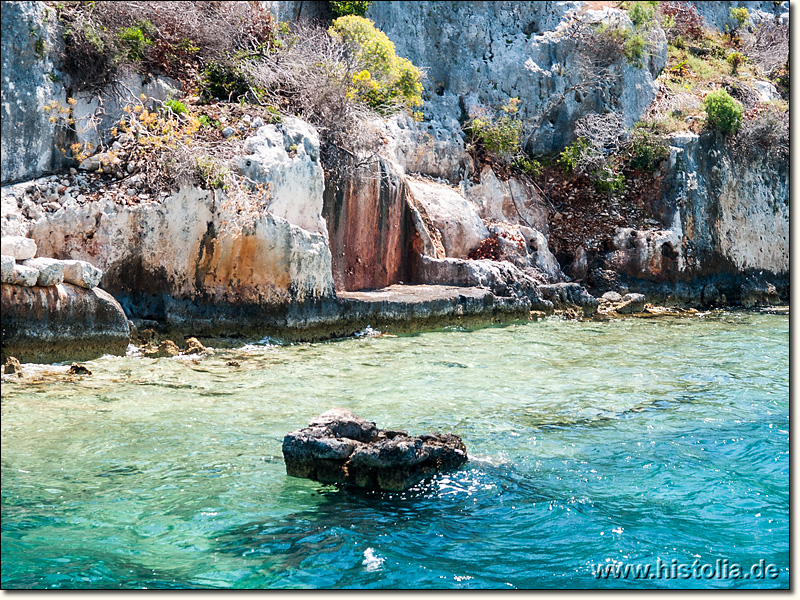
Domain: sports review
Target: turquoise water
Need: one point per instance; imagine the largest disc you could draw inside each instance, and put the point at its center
(618, 443)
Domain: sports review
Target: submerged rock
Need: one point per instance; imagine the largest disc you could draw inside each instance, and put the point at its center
(12, 367)
(165, 349)
(339, 447)
(76, 369)
(193, 346)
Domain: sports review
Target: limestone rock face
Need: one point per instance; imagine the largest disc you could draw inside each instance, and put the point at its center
(187, 257)
(368, 227)
(339, 447)
(183, 249)
(61, 322)
(28, 36)
(510, 201)
(717, 15)
(427, 148)
(285, 157)
(453, 217)
(19, 248)
(729, 232)
(483, 53)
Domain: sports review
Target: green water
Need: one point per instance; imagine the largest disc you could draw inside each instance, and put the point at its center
(623, 442)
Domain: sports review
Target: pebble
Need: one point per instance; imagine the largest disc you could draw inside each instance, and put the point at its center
(228, 132)
(257, 122)
(73, 171)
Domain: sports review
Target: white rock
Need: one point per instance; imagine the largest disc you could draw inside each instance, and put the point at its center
(51, 271)
(81, 273)
(21, 248)
(8, 268)
(295, 182)
(455, 218)
(22, 275)
(611, 297)
(766, 90)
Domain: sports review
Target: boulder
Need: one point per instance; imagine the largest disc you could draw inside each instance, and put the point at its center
(193, 346)
(631, 303)
(61, 322)
(22, 275)
(8, 268)
(165, 349)
(51, 271)
(611, 297)
(81, 273)
(564, 295)
(453, 217)
(12, 367)
(21, 248)
(339, 447)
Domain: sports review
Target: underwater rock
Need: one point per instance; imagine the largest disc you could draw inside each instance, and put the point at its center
(12, 367)
(76, 369)
(193, 346)
(165, 349)
(339, 447)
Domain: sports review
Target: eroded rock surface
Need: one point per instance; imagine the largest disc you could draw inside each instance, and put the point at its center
(61, 322)
(339, 447)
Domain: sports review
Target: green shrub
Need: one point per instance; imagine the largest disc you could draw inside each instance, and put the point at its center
(609, 181)
(635, 47)
(723, 113)
(734, 60)
(527, 165)
(386, 81)
(134, 40)
(343, 9)
(647, 150)
(210, 174)
(571, 156)
(641, 13)
(740, 15)
(499, 136)
(223, 82)
(179, 108)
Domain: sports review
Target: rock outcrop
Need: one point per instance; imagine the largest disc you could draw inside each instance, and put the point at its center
(339, 447)
(483, 53)
(200, 257)
(728, 234)
(61, 322)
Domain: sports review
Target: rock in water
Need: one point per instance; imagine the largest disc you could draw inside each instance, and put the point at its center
(339, 447)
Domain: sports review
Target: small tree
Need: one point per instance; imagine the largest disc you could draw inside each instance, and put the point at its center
(385, 81)
(723, 113)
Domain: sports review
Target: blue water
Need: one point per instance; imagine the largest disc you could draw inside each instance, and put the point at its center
(661, 442)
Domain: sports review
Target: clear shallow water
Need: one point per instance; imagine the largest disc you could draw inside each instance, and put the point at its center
(628, 441)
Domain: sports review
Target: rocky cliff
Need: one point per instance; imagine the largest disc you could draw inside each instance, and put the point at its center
(426, 208)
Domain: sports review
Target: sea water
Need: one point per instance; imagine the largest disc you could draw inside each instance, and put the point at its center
(629, 453)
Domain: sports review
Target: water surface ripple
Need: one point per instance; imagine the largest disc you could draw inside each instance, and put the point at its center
(623, 442)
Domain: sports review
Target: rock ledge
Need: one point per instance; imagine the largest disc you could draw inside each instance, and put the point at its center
(339, 447)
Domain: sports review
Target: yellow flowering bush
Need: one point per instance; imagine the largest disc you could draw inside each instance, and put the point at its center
(384, 81)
